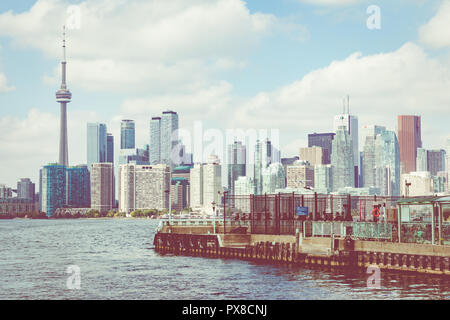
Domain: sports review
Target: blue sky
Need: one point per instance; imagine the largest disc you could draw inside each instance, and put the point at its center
(283, 64)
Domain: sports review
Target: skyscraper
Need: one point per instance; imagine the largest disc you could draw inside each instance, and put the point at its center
(265, 154)
(387, 163)
(409, 139)
(343, 172)
(196, 181)
(273, 178)
(25, 189)
(236, 163)
(350, 123)
(52, 188)
(314, 155)
(323, 140)
(110, 148)
(300, 175)
(102, 187)
(155, 140)
(127, 134)
(435, 161)
(212, 181)
(143, 187)
(63, 97)
(422, 160)
(97, 143)
(78, 187)
(368, 157)
(169, 136)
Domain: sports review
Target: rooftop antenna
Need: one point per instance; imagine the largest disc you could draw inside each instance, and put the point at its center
(348, 104)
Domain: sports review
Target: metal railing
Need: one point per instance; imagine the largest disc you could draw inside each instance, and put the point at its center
(360, 230)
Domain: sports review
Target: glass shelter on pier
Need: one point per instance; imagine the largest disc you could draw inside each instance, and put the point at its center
(424, 220)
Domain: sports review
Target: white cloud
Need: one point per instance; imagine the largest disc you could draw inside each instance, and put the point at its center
(146, 45)
(4, 87)
(436, 33)
(331, 2)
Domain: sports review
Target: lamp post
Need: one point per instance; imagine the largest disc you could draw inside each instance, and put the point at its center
(224, 209)
(214, 219)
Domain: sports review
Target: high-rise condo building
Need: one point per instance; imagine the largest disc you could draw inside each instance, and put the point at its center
(127, 134)
(323, 178)
(5, 192)
(143, 187)
(63, 97)
(323, 140)
(102, 187)
(52, 188)
(265, 154)
(25, 189)
(300, 175)
(78, 187)
(409, 139)
(422, 160)
(155, 140)
(212, 182)
(343, 172)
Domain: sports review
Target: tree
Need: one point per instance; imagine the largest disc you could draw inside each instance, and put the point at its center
(110, 214)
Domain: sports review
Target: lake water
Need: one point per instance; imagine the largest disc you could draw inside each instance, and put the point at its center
(116, 261)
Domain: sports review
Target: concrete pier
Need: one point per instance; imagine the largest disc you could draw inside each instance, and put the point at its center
(199, 241)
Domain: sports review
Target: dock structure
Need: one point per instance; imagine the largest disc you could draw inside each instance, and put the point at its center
(416, 240)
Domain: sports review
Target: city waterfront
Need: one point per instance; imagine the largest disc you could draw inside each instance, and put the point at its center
(117, 261)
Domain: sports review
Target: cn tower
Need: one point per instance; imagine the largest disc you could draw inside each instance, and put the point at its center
(63, 97)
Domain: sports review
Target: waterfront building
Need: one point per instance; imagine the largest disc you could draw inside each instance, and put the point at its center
(415, 184)
(314, 155)
(236, 164)
(323, 140)
(16, 206)
(52, 188)
(155, 140)
(323, 178)
(143, 187)
(102, 187)
(96, 143)
(5, 192)
(350, 123)
(127, 134)
(409, 139)
(25, 189)
(273, 177)
(78, 187)
(169, 136)
(342, 160)
(300, 175)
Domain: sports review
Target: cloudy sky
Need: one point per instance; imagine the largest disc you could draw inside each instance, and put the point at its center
(254, 64)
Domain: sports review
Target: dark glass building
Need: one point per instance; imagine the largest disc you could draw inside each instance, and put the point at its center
(78, 187)
(52, 187)
(323, 140)
(110, 148)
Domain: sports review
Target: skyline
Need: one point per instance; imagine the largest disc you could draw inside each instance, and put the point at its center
(426, 67)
